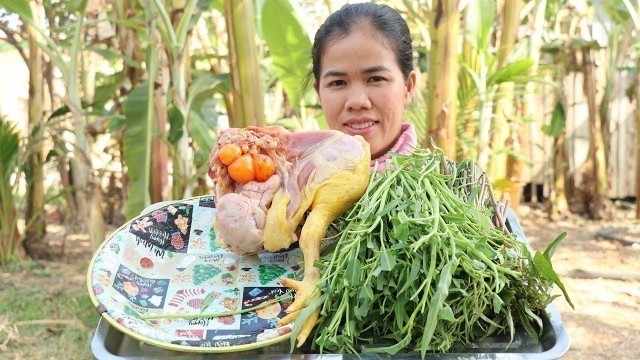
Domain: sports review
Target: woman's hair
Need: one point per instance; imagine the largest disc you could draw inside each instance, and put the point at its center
(385, 20)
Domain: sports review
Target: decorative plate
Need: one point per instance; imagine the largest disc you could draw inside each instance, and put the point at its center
(166, 262)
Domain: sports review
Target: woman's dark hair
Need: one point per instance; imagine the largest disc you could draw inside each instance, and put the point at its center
(385, 20)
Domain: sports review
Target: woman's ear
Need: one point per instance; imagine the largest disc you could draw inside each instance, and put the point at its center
(410, 87)
(315, 87)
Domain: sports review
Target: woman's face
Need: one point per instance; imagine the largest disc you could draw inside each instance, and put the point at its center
(362, 90)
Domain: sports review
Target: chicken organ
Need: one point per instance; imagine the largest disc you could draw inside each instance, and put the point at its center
(324, 171)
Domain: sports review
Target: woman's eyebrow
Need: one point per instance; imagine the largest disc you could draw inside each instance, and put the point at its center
(374, 69)
(334, 73)
(369, 70)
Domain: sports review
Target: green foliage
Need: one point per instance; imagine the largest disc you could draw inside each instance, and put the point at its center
(10, 151)
(422, 235)
(479, 23)
(558, 122)
(138, 111)
(20, 7)
(176, 122)
(289, 46)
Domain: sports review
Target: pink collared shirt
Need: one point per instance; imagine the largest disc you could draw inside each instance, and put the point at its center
(406, 143)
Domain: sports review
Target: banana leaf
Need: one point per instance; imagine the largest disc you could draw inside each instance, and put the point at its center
(138, 112)
(289, 46)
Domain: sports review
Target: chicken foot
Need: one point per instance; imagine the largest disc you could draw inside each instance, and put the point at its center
(310, 241)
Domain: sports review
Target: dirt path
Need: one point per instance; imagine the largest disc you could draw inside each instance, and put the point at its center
(602, 278)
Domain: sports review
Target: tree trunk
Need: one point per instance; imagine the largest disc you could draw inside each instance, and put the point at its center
(595, 184)
(34, 216)
(442, 108)
(128, 44)
(638, 137)
(559, 206)
(183, 156)
(159, 151)
(505, 129)
(216, 68)
(533, 90)
(246, 82)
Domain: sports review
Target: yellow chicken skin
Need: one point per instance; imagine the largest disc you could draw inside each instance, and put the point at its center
(328, 198)
(325, 172)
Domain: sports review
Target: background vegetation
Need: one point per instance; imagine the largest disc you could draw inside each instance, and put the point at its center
(126, 98)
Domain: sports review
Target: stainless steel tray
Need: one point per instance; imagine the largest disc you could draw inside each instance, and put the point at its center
(109, 343)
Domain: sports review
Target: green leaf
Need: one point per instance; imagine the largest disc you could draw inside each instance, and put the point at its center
(400, 227)
(446, 313)
(9, 148)
(479, 23)
(176, 121)
(365, 293)
(387, 260)
(511, 71)
(289, 46)
(497, 303)
(544, 266)
(134, 24)
(110, 55)
(548, 253)
(204, 85)
(117, 123)
(202, 134)
(20, 7)
(217, 5)
(352, 273)
(435, 304)
(416, 265)
(558, 122)
(302, 316)
(454, 218)
(107, 90)
(137, 146)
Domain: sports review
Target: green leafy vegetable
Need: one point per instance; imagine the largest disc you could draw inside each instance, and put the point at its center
(420, 265)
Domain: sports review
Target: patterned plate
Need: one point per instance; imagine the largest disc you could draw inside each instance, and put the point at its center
(166, 261)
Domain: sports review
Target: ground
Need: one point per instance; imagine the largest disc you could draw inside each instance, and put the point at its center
(45, 310)
(602, 277)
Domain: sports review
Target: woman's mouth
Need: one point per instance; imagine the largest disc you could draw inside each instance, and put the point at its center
(361, 126)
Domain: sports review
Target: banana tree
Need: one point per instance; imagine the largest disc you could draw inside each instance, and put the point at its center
(35, 181)
(10, 149)
(442, 108)
(174, 97)
(246, 80)
(68, 64)
(535, 30)
(480, 81)
(505, 129)
(476, 91)
(289, 47)
(634, 12)
(418, 14)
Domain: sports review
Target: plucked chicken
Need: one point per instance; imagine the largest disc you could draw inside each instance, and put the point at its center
(266, 180)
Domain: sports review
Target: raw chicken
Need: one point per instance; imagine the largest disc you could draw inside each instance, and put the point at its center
(322, 171)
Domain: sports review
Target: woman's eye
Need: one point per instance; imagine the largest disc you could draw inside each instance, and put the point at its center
(337, 83)
(375, 79)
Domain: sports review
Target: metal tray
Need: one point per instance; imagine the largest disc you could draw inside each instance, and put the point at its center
(110, 343)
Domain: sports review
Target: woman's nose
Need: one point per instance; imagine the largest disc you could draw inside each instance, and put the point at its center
(358, 99)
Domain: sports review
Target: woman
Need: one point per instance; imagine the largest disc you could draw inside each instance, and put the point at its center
(364, 76)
